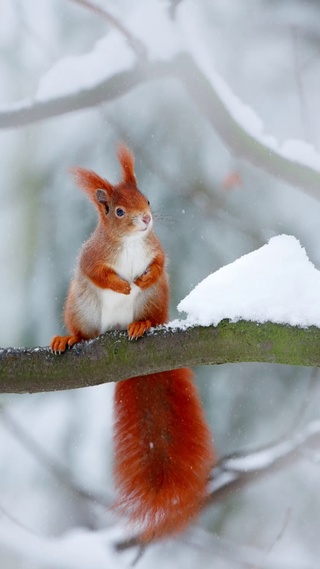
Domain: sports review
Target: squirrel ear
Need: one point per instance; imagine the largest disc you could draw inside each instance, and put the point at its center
(101, 197)
(97, 189)
(126, 160)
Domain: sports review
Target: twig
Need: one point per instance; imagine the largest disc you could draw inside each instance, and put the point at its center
(172, 8)
(280, 533)
(50, 464)
(240, 555)
(135, 43)
(300, 87)
(236, 471)
(15, 520)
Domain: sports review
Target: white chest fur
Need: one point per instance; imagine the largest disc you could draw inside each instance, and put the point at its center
(133, 259)
(118, 309)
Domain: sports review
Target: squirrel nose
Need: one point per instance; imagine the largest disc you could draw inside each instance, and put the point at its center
(146, 218)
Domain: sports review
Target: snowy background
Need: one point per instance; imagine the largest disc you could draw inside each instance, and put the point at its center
(215, 199)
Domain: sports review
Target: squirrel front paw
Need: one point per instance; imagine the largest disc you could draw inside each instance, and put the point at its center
(145, 280)
(122, 286)
(59, 344)
(138, 328)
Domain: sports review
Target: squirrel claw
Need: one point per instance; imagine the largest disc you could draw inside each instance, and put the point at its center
(138, 328)
(59, 344)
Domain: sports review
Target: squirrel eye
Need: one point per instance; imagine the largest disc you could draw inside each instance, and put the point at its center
(148, 202)
(120, 212)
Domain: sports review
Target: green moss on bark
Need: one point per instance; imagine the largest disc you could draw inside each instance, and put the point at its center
(113, 357)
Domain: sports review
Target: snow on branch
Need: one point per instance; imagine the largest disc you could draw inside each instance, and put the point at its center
(102, 548)
(237, 471)
(91, 79)
(77, 549)
(31, 111)
(275, 283)
(263, 307)
(293, 162)
(135, 44)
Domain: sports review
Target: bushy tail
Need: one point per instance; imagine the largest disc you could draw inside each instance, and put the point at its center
(163, 452)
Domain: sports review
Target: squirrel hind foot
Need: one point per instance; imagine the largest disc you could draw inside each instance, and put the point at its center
(138, 328)
(59, 344)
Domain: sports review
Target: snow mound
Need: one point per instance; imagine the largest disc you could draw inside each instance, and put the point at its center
(276, 283)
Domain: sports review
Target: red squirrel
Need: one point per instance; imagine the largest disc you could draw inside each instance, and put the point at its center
(163, 446)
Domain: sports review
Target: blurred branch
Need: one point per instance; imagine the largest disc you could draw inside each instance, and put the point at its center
(237, 471)
(298, 75)
(172, 8)
(31, 111)
(4, 512)
(133, 42)
(239, 141)
(238, 554)
(62, 474)
(231, 474)
(112, 357)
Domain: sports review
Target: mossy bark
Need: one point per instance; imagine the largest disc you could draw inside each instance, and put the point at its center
(113, 357)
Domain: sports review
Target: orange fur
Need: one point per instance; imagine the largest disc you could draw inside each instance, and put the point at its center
(163, 448)
(89, 182)
(163, 452)
(138, 328)
(126, 160)
(152, 273)
(61, 343)
(105, 277)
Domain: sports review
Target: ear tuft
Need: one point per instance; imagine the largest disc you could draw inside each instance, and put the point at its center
(126, 160)
(90, 183)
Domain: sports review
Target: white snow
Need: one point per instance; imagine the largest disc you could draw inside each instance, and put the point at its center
(75, 73)
(77, 549)
(151, 24)
(148, 22)
(276, 283)
(162, 38)
(294, 150)
(300, 151)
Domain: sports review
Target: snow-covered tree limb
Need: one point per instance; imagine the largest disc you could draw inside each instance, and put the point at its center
(231, 474)
(135, 44)
(239, 140)
(112, 357)
(299, 173)
(238, 470)
(29, 111)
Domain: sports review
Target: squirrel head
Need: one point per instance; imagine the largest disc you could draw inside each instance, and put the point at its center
(122, 208)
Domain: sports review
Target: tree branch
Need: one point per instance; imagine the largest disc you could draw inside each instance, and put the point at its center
(62, 474)
(206, 98)
(237, 139)
(133, 41)
(112, 357)
(31, 111)
(239, 470)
